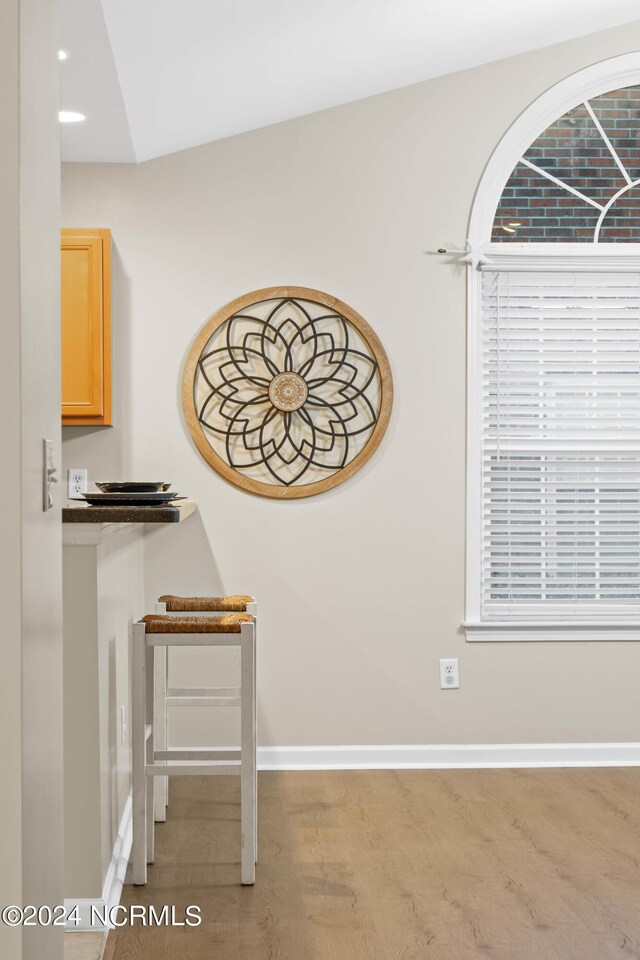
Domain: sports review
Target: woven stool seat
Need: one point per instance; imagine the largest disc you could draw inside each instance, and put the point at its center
(158, 623)
(236, 603)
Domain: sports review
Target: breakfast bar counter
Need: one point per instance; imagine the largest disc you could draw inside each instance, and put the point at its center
(112, 513)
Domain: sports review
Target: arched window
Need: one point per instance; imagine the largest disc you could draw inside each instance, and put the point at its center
(579, 181)
(553, 488)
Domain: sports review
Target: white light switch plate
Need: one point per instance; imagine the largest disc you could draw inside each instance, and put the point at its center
(48, 473)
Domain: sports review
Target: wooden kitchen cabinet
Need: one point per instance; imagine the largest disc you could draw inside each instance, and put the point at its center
(86, 327)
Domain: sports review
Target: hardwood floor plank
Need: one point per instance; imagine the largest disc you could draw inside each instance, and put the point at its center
(401, 865)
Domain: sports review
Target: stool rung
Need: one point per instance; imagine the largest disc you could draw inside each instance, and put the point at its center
(184, 754)
(203, 692)
(192, 769)
(203, 701)
(193, 639)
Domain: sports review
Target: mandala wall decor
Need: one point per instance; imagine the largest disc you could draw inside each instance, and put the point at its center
(287, 392)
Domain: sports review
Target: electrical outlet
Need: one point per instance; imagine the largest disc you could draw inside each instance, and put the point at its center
(123, 726)
(76, 483)
(449, 674)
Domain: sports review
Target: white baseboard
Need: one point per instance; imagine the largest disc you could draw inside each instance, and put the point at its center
(442, 756)
(90, 911)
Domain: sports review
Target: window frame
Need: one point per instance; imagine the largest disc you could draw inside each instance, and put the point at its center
(600, 78)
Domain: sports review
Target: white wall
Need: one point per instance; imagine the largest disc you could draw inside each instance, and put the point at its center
(362, 589)
(30, 557)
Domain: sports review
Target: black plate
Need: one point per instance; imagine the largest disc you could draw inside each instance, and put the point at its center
(157, 498)
(132, 486)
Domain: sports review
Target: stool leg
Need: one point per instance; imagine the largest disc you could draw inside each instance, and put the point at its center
(160, 730)
(162, 722)
(255, 743)
(248, 753)
(138, 747)
(150, 752)
(165, 716)
(252, 608)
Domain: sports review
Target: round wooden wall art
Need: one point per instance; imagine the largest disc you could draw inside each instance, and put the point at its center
(287, 392)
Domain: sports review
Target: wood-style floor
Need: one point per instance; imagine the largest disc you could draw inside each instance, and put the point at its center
(84, 946)
(401, 865)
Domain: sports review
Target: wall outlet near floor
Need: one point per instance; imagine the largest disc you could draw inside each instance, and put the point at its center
(449, 674)
(76, 483)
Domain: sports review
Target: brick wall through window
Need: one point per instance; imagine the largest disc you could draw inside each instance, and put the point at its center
(595, 160)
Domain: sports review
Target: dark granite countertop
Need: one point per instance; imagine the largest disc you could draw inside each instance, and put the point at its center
(83, 513)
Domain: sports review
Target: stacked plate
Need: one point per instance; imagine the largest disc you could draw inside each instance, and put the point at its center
(128, 493)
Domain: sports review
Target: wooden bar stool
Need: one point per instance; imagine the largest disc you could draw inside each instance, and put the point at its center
(161, 632)
(164, 696)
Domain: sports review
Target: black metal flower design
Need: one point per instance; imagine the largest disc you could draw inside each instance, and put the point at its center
(287, 390)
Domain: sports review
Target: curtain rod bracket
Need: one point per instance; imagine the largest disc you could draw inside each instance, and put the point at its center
(470, 256)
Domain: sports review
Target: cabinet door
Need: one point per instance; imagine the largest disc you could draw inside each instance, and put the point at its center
(86, 367)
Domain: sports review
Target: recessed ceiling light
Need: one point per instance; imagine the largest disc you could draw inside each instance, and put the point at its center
(63, 54)
(70, 116)
(514, 223)
(509, 229)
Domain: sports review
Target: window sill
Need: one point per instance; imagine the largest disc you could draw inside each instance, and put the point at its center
(526, 631)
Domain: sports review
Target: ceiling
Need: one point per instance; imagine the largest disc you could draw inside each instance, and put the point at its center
(156, 76)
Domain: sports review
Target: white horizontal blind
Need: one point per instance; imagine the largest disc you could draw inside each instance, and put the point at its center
(560, 444)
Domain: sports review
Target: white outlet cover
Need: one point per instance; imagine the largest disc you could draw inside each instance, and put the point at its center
(77, 482)
(449, 674)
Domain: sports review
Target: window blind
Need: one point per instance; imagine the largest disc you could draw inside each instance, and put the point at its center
(560, 444)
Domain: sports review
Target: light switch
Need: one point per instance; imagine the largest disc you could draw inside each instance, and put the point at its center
(48, 473)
